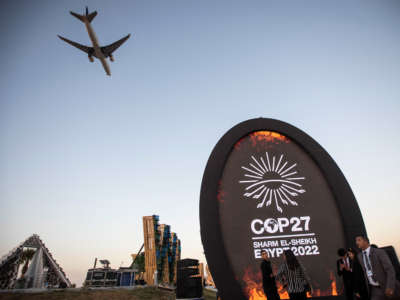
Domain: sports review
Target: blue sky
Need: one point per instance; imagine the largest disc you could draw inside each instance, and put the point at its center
(84, 156)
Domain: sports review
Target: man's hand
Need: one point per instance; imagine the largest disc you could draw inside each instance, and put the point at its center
(358, 295)
(389, 292)
(341, 267)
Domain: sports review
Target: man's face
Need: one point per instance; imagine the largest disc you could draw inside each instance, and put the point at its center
(361, 243)
(264, 255)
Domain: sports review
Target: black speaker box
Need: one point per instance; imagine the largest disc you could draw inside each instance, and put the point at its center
(187, 286)
(187, 262)
(186, 272)
(190, 287)
(193, 292)
(180, 291)
(192, 282)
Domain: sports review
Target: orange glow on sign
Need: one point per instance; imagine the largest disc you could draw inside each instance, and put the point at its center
(269, 136)
(254, 288)
(266, 136)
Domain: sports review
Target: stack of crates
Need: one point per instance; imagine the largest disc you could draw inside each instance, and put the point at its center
(162, 251)
(163, 267)
(172, 257)
(177, 257)
(151, 245)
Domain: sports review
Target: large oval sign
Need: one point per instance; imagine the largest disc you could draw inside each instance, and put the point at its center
(268, 185)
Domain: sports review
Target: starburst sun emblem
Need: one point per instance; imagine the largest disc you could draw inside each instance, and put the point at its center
(270, 181)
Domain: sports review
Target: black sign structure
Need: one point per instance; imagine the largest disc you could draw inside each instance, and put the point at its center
(268, 185)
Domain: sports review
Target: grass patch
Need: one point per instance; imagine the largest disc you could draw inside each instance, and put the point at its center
(209, 295)
(147, 293)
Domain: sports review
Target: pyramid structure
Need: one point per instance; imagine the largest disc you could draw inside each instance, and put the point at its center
(43, 269)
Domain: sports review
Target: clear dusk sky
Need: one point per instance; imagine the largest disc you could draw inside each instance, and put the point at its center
(84, 156)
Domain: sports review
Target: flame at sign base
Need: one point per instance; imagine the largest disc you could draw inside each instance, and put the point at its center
(254, 289)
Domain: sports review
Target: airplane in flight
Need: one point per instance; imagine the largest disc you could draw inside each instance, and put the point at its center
(100, 53)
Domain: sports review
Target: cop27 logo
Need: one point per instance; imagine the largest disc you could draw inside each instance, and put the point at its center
(272, 181)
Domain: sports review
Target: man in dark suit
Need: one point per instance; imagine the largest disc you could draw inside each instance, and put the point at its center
(269, 284)
(344, 269)
(378, 271)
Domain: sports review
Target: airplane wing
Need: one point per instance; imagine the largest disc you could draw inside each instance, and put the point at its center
(79, 46)
(107, 50)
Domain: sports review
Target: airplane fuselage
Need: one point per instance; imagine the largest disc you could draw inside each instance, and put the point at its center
(96, 47)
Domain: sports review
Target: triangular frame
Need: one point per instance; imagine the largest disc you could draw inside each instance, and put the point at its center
(9, 263)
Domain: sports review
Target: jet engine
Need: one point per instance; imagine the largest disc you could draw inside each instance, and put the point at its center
(91, 59)
(111, 57)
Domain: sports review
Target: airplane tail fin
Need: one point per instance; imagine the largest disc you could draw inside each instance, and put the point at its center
(83, 18)
(91, 16)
